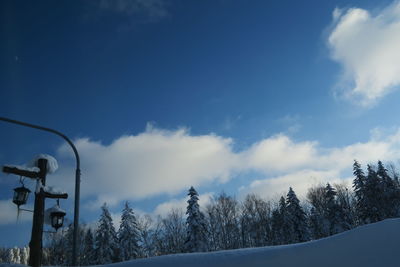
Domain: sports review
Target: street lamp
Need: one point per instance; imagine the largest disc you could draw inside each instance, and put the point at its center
(75, 243)
(57, 217)
(21, 195)
(43, 165)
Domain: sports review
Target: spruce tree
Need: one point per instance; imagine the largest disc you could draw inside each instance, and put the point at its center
(316, 221)
(359, 187)
(389, 191)
(334, 213)
(297, 217)
(280, 226)
(87, 257)
(106, 239)
(196, 226)
(373, 195)
(128, 235)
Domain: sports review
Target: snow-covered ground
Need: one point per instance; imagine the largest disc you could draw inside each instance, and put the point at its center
(374, 245)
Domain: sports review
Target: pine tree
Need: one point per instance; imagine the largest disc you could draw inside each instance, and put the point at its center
(316, 221)
(373, 196)
(319, 224)
(196, 240)
(128, 235)
(334, 212)
(389, 191)
(281, 227)
(297, 217)
(68, 240)
(106, 239)
(56, 250)
(359, 187)
(276, 227)
(87, 257)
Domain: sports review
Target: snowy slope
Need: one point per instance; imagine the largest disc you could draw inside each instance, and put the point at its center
(367, 246)
(374, 245)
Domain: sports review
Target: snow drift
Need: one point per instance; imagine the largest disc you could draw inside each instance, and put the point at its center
(370, 245)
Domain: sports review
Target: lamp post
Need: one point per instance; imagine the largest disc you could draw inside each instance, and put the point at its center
(77, 181)
(35, 245)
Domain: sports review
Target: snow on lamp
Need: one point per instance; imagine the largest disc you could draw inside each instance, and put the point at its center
(57, 217)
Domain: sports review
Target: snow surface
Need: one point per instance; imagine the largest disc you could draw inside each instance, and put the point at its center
(52, 164)
(373, 245)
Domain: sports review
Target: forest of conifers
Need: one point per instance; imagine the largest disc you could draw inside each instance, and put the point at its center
(226, 223)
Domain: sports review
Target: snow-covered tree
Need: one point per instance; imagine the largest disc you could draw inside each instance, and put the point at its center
(334, 213)
(9, 256)
(170, 233)
(281, 227)
(56, 248)
(345, 199)
(16, 255)
(87, 247)
(106, 239)
(373, 194)
(255, 223)
(316, 224)
(128, 235)
(146, 241)
(319, 224)
(196, 239)
(359, 187)
(297, 217)
(223, 223)
(390, 190)
(24, 255)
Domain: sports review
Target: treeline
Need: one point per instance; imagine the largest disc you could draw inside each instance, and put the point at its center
(14, 255)
(227, 223)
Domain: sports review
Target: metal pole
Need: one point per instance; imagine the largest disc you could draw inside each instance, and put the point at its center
(77, 181)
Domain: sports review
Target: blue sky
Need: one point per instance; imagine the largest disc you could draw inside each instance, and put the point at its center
(160, 95)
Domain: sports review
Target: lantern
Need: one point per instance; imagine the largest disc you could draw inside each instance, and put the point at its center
(57, 217)
(21, 195)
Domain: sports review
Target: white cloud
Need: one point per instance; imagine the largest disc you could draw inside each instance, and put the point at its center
(279, 153)
(154, 162)
(159, 162)
(367, 46)
(313, 164)
(300, 181)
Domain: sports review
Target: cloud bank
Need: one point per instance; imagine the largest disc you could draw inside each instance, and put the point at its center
(367, 46)
(159, 161)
